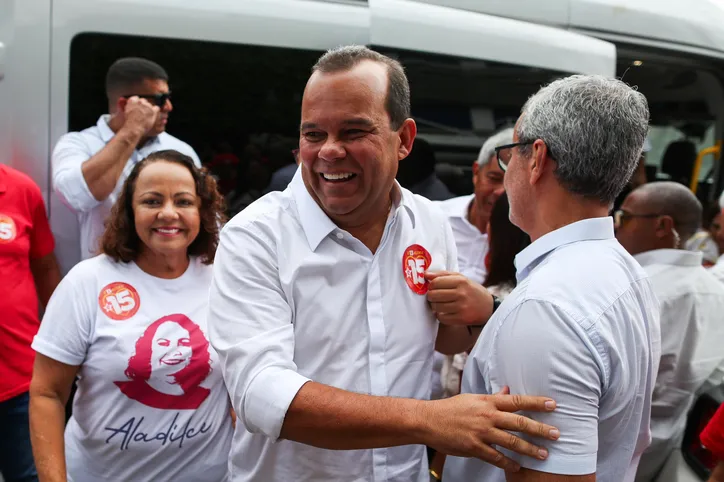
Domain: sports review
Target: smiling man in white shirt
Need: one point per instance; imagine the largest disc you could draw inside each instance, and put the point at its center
(469, 215)
(318, 307)
(652, 223)
(582, 324)
(89, 167)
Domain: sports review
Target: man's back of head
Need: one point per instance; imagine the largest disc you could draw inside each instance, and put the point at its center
(659, 215)
(580, 140)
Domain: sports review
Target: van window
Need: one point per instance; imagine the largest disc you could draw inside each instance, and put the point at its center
(685, 97)
(241, 103)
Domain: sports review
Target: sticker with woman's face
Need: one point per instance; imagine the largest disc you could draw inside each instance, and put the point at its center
(170, 362)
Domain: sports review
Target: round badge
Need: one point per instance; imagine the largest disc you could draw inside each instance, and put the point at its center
(119, 301)
(8, 231)
(415, 261)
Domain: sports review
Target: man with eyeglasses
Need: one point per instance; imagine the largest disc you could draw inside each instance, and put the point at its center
(469, 215)
(582, 325)
(653, 223)
(89, 167)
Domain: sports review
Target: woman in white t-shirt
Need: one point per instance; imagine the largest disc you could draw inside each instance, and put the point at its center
(151, 403)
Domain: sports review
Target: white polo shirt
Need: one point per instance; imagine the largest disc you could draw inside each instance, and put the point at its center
(581, 327)
(472, 245)
(692, 336)
(295, 298)
(72, 150)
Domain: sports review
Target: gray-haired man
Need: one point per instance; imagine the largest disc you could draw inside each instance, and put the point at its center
(583, 319)
(469, 215)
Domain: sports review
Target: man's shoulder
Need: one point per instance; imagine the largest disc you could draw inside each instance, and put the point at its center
(269, 213)
(454, 206)
(586, 278)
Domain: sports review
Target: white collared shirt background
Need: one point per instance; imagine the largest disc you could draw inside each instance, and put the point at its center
(472, 245)
(72, 150)
(296, 298)
(582, 328)
(692, 336)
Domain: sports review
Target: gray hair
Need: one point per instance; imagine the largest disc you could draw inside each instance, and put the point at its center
(342, 59)
(594, 128)
(500, 138)
(673, 199)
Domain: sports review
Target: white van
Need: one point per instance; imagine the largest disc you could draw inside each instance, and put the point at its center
(238, 68)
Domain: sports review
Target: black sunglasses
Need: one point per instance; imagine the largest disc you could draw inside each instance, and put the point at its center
(155, 99)
(505, 153)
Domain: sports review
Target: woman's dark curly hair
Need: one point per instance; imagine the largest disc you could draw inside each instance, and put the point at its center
(120, 240)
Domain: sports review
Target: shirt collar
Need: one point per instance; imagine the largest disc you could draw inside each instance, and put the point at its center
(585, 230)
(105, 131)
(675, 257)
(315, 222)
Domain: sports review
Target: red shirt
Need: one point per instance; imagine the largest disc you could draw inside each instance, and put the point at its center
(713, 435)
(24, 235)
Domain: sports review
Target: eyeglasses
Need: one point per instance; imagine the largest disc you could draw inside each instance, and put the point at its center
(505, 153)
(155, 99)
(620, 216)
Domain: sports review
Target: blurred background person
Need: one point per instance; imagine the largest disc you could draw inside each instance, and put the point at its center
(705, 238)
(417, 173)
(506, 241)
(89, 167)
(651, 224)
(131, 323)
(469, 215)
(28, 274)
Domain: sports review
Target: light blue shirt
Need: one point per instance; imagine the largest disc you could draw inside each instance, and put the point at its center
(581, 327)
(75, 148)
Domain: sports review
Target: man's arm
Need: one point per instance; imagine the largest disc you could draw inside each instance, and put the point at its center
(84, 181)
(551, 359)
(102, 171)
(43, 264)
(250, 328)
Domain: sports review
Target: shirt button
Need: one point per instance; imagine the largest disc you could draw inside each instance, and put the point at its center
(340, 235)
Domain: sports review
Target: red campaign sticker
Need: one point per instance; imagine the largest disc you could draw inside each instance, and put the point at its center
(119, 301)
(8, 231)
(415, 261)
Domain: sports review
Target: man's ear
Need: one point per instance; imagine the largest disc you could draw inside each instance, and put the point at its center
(407, 133)
(540, 161)
(664, 226)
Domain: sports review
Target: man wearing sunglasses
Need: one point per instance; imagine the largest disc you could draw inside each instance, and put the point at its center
(582, 325)
(652, 224)
(89, 167)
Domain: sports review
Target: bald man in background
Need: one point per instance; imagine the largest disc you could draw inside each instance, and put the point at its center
(653, 223)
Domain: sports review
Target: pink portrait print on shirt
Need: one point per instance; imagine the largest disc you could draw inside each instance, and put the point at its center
(170, 362)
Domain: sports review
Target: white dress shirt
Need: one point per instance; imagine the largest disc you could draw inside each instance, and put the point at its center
(295, 298)
(692, 337)
(581, 327)
(472, 245)
(72, 150)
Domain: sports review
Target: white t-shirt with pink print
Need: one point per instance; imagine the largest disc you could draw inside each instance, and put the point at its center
(151, 402)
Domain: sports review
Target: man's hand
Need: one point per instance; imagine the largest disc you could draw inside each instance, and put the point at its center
(467, 425)
(140, 116)
(458, 301)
